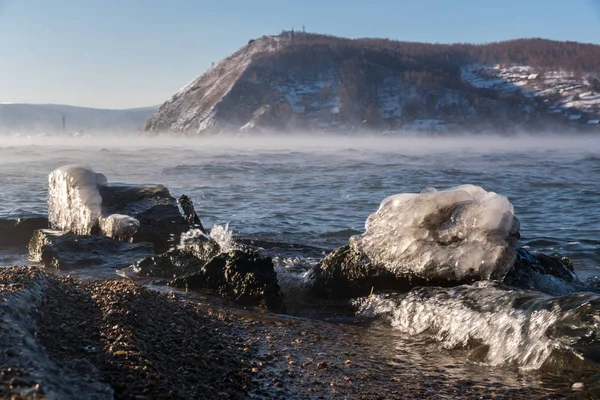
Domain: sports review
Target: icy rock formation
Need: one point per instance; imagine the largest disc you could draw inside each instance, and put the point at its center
(74, 203)
(82, 202)
(460, 234)
(444, 238)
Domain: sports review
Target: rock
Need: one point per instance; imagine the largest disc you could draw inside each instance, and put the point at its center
(435, 238)
(160, 221)
(463, 234)
(67, 251)
(239, 275)
(187, 206)
(18, 232)
(177, 262)
(322, 365)
(82, 202)
(445, 238)
(549, 274)
(348, 273)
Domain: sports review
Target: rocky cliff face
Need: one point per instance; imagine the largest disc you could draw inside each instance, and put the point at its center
(302, 82)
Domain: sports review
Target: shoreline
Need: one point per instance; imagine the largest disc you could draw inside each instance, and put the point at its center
(62, 337)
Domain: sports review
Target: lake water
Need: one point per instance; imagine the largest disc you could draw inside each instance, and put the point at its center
(319, 191)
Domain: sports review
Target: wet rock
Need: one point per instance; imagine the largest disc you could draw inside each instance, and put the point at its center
(66, 251)
(175, 263)
(187, 206)
(83, 202)
(160, 221)
(347, 273)
(549, 274)
(18, 231)
(240, 275)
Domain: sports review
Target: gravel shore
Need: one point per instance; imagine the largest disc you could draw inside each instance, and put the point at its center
(62, 338)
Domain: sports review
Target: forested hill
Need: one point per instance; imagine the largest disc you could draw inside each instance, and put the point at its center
(298, 81)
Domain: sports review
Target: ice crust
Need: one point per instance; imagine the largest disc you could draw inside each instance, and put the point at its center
(75, 204)
(464, 233)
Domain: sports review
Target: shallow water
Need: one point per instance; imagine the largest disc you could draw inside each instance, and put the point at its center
(310, 195)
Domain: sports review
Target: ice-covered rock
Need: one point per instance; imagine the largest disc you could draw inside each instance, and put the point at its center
(82, 202)
(74, 202)
(460, 234)
(445, 238)
(441, 238)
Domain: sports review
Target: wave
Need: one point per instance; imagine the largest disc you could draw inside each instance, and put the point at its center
(497, 326)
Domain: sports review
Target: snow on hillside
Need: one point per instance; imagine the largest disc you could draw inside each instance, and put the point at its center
(313, 83)
(561, 91)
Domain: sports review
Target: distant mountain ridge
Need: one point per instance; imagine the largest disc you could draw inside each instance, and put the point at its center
(16, 118)
(310, 82)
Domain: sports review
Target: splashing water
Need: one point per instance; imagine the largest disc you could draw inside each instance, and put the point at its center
(190, 237)
(224, 237)
(501, 327)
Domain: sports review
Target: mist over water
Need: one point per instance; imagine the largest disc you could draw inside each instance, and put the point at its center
(318, 191)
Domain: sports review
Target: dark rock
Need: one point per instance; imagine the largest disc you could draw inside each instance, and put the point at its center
(177, 262)
(240, 275)
(348, 273)
(550, 274)
(18, 231)
(187, 206)
(160, 221)
(66, 251)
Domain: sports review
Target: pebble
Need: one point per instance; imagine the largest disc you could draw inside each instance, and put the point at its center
(19, 382)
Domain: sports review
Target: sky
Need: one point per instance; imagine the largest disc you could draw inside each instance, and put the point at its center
(135, 53)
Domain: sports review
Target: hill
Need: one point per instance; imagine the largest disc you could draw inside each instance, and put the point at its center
(48, 118)
(298, 81)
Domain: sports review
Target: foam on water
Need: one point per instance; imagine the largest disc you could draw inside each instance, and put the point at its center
(501, 327)
(458, 234)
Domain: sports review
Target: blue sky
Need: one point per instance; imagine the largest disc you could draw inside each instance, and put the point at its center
(130, 53)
